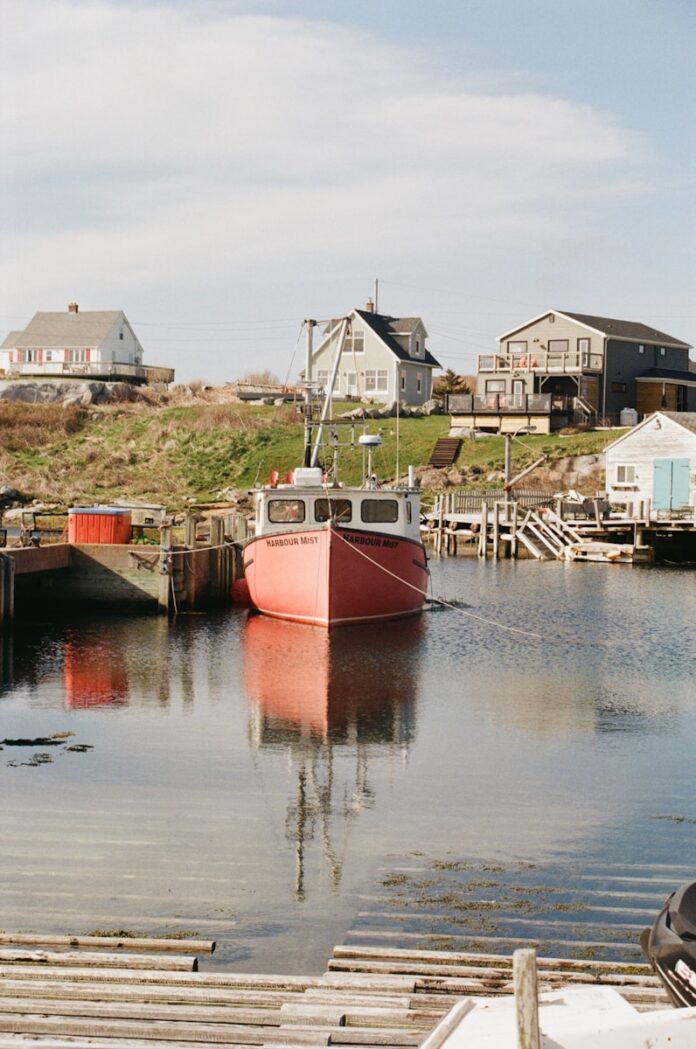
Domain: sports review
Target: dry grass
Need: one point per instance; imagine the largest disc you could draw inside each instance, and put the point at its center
(28, 425)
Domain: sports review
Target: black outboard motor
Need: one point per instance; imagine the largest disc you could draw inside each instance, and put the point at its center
(670, 946)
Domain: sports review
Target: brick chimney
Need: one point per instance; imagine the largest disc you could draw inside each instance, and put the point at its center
(369, 306)
(73, 307)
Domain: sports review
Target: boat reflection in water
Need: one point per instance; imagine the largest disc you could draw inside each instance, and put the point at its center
(323, 696)
(94, 674)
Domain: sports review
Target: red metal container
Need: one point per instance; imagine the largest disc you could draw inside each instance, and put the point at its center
(99, 524)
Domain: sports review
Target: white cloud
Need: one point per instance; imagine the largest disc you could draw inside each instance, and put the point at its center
(194, 142)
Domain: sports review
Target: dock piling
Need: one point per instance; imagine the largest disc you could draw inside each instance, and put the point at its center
(524, 975)
(6, 590)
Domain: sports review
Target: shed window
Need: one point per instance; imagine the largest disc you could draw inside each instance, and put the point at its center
(286, 511)
(336, 509)
(625, 473)
(375, 511)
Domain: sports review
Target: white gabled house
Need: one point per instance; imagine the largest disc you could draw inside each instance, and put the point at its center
(94, 344)
(655, 464)
(384, 358)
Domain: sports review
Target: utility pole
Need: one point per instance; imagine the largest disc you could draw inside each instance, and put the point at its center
(376, 294)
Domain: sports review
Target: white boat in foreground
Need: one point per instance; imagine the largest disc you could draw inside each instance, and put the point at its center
(579, 1017)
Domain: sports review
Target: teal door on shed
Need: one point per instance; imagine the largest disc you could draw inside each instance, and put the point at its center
(670, 484)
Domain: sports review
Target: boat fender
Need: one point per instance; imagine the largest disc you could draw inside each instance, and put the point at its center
(273, 479)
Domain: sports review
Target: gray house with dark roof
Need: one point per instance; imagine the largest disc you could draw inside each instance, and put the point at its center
(384, 358)
(562, 366)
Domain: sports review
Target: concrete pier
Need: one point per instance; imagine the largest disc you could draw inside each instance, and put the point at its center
(165, 579)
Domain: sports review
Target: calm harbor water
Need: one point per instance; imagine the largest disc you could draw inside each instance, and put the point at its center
(435, 782)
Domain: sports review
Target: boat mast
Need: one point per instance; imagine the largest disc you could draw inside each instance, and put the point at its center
(309, 326)
(326, 410)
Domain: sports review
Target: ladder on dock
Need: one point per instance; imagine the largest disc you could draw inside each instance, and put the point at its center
(445, 452)
(546, 535)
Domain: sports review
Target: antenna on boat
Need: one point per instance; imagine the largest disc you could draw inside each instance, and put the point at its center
(326, 410)
(309, 326)
(370, 441)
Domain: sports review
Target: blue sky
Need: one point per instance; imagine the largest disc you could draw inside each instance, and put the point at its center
(221, 169)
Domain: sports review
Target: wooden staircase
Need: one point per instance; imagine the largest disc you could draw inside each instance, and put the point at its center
(546, 535)
(445, 452)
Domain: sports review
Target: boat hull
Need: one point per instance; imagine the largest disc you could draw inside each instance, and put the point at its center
(333, 576)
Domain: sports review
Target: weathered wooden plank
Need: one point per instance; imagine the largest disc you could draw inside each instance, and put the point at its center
(13, 1041)
(171, 978)
(66, 959)
(471, 958)
(143, 1011)
(152, 1030)
(186, 945)
(188, 994)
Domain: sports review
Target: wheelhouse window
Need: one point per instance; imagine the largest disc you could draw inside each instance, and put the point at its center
(286, 511)
(379, 511)
(333, 509)
(625, 473)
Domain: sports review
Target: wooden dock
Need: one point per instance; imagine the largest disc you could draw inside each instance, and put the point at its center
(110, 993)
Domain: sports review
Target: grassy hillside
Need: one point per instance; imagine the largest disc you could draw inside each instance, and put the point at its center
(173, 454)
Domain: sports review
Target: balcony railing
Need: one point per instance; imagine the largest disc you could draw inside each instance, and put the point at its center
(512, 403)
(111, 370)
(541, 362)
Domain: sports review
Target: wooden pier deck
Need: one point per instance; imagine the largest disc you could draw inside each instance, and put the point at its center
(105, 993)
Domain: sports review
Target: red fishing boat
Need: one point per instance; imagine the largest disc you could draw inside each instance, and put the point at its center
(330, 555)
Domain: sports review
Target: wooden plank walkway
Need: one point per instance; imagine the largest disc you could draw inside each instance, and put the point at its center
(100, 993)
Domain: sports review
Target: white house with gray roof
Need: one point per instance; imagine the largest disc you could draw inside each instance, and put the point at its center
(384, 358)
(95, 344)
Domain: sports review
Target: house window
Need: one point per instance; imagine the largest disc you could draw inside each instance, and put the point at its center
(31, 356)
(355, 342)
(625, 473)
(76, 355)
(376, 381)
(618, 387)
(286, 511)
(495, 385)
(120, 335)
(351, 379)
(663, 351)
(641, 349)
(417, 347)
(517, 347)
(558, 345)
(419, 382)
(403, 382)
(48, 356)
(323, 379)
(583, 345)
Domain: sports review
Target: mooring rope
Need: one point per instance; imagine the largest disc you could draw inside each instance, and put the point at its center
(441, 600)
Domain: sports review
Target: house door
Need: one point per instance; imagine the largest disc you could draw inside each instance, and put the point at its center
(670, 484)
(518, 387)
